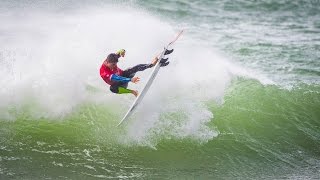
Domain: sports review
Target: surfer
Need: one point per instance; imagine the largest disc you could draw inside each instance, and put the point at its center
(119, 79)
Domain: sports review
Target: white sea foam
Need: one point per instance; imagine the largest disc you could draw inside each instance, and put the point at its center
(49, 59)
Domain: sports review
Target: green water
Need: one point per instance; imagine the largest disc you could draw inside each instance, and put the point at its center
(272, 134)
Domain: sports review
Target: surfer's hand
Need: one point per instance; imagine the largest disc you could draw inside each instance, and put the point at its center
(134, 92)
(135, 79)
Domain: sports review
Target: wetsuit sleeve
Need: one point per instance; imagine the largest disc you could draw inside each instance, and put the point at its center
(115, 77)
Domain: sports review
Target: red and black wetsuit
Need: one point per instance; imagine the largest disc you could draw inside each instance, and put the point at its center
(118, 78)
(106, 73)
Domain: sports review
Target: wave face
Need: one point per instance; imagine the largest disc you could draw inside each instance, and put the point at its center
(239, 100)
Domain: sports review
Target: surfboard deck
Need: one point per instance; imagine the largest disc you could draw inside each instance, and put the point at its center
(146, 87)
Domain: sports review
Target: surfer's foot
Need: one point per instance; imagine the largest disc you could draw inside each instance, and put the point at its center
(135, 93)
(164, 64)
(154, 61)
(168, 52)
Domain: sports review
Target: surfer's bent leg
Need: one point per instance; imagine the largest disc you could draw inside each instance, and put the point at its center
(130, 72)
(120, 88)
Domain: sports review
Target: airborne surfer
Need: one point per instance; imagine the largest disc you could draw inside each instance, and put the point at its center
(119, 79)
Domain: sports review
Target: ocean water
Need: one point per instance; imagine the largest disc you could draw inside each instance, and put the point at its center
(239, 100)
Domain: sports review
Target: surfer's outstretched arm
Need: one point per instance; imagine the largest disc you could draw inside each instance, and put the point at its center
(118, 78)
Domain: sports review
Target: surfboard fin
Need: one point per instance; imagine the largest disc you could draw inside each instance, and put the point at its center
(168, 52)
(163, 60)
(164, 64)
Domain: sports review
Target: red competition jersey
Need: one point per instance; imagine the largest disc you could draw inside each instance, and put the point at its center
(106, 72)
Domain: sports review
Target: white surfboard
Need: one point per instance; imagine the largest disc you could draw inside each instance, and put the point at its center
(149, 82)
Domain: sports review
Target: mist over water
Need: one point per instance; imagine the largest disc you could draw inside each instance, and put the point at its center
(240, 98)
(47, 76)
